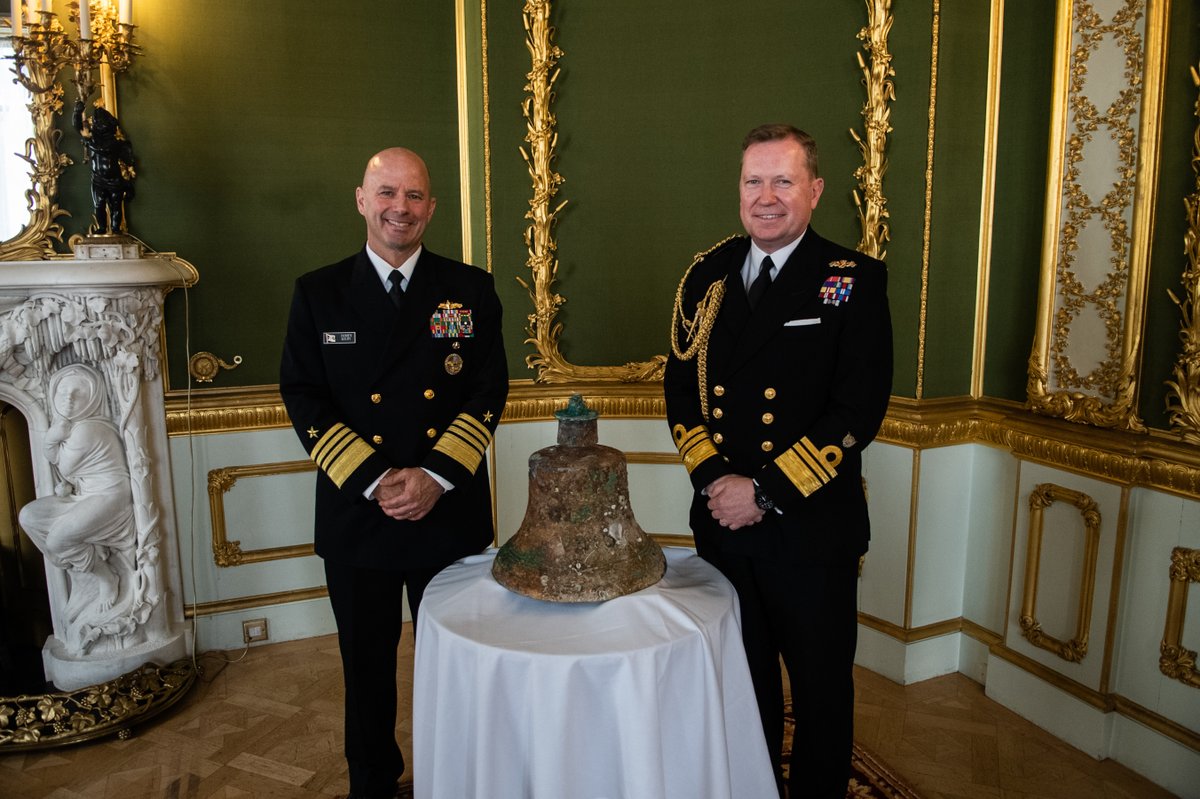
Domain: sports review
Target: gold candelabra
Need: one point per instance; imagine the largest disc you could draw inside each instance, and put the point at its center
(104, 45)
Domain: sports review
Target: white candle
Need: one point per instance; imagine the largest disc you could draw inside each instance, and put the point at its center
(126, 12)
(18, 28)
(85, 20)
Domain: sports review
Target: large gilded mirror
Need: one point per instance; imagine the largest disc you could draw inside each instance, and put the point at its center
(30, 161)
(1103, 167)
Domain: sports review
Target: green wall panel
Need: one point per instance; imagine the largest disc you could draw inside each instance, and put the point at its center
(251, 125)
(961, 117)
(652, 106)
(1025, 88)
(911, 44)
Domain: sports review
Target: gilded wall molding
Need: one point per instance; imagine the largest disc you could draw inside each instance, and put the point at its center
(1100, 208)
(1158, 460)
(543, 329)
(927, 215)
(230, 553)
(1176, 661)
(34, 241)
(1042, 497)
(542, 137)
(877, 77)
(1183, 396)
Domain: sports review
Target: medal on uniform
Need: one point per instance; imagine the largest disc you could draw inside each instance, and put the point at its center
(451, 320)
(453, 363)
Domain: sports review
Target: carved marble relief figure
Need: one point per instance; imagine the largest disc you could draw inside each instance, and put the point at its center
(87, 527)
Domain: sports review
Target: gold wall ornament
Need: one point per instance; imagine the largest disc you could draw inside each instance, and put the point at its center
(45, 721)
(1100, 208)
(542, 137)
(204, 366)
(1043, 496)
(1183, 398)
(230, 553)
(36, 61)
(877, 77)
(1176, 661)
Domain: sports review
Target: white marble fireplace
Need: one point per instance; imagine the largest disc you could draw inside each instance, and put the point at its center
(80, 359)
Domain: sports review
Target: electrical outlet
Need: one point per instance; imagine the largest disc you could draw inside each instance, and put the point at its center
(254, 630)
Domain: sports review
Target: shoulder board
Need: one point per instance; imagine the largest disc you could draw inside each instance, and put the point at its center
(722, 243)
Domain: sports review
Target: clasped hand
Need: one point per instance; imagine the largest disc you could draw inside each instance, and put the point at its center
(731, 500)
(407, 494)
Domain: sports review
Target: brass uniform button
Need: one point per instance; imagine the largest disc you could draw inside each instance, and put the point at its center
(768, 418)
(431, 433)
(767, 446)
(376, 398)
(718, 413)
(377, 439)
(769, 393)
(718, 438)
(429, 393)
(719, 390)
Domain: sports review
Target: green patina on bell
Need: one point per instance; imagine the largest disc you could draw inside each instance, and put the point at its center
(579, 541)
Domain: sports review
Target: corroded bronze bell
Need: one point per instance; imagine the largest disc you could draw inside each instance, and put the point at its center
(579, 541)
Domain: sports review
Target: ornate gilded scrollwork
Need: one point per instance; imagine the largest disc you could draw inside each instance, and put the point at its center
(1183, 399)
(1176, 661)
(1042, 497)
(544, 331)
(34, 242)
(877, 77)
(229, 553)
(542, 137)
(50, 720)
(204, 366)
(1100, 201)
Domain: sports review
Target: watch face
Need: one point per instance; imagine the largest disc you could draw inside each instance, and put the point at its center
(762, 500)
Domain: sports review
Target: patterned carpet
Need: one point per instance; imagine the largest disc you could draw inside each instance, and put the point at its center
(871, 779)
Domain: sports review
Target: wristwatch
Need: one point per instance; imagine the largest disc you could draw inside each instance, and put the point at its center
(761, 499)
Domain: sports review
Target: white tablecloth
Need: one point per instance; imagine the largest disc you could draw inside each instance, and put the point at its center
(641, 697)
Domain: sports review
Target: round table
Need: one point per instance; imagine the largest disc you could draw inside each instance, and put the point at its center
(643, 696)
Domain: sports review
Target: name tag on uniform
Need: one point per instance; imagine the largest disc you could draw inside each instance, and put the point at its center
(339, 338)
(800, 322)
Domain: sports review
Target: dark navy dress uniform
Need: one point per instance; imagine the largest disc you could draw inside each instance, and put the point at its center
(789, 394)
(367, 387)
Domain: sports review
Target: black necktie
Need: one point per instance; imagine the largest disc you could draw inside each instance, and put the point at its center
(395, 293)
(759, 287)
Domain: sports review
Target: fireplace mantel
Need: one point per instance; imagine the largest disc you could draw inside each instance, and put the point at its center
(80, 359)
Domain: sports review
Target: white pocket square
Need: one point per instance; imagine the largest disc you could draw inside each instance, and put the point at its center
(798, 322)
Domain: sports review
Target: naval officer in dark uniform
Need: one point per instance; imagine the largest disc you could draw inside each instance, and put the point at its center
(780, 374)
(394, 376)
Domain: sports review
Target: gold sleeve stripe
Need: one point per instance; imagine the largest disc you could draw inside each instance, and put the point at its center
(813, 457)
(479, 437)
(329, 445)
(465, 441)
(339, 452)
(451, 445)
(695, 446)
(471, 421)
(807, 467)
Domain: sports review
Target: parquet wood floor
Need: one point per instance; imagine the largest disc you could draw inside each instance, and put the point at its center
(269, 725)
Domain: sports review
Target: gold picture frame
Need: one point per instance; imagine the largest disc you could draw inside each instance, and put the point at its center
(1043, 496)
(34, 241)
(228, 553)
(1176, 661)
(1183, 395)
(1100, 196)
(543, 328)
